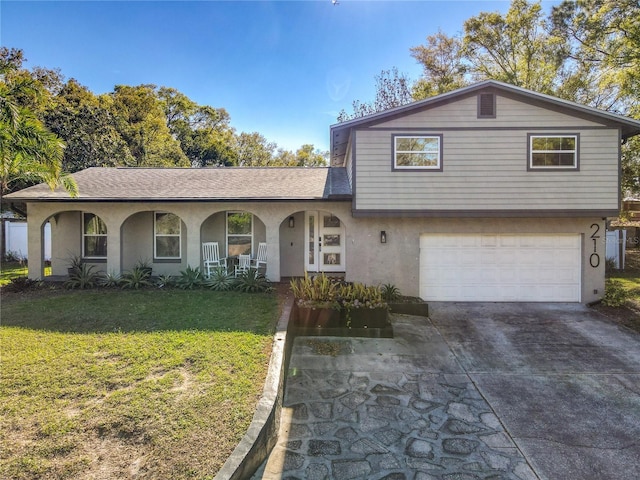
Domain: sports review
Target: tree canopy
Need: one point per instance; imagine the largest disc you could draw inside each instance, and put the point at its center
(28, 151)
(60, 127)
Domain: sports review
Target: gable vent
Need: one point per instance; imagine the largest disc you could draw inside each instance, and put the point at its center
(486, 105)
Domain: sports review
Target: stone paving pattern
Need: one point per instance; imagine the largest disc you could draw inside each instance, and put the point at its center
(378, 409)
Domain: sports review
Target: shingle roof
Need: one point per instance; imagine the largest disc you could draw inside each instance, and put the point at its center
(184, 184)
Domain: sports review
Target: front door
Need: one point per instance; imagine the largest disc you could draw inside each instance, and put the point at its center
(324, 245)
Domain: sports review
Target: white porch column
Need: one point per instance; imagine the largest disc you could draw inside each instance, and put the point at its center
(193, 241)
(273, 249)
(114, 247)
(35, 245)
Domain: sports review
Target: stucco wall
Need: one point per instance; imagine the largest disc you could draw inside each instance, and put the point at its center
(367, 260)
(398, 260)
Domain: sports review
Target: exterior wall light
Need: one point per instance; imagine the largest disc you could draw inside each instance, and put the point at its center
(383, 236)
(292, 222)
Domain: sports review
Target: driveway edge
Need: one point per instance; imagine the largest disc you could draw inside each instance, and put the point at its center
(262, 433)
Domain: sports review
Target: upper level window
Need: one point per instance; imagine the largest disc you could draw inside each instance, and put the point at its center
(94, 236)
(167, 235)
(239, 233)
(553, 151)
(422, 152)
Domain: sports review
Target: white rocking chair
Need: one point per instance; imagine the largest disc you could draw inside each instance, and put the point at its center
(244, 264)
(261, 257)
(211, 258)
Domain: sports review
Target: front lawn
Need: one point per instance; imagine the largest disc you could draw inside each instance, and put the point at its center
(119, 384)
(11, 270)
(629, 278)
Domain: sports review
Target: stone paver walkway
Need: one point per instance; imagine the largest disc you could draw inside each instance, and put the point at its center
(393, 409)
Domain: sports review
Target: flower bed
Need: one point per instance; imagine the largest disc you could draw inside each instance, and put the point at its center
(325, 306)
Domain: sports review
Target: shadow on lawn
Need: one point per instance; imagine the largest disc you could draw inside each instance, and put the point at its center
(149, 310)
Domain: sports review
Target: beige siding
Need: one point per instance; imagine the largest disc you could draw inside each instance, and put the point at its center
(463, 113)
(487, 170)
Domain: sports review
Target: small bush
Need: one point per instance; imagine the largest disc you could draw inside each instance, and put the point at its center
(220, 280)
(165, 281)
(615, 294)
(13, 257)
(82, 277)
(136, 278)
(190, 278)
(22, 284)
(109, 280)
(390, 293)
(252, 281)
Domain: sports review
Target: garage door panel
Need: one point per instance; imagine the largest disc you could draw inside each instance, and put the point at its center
(500, 267)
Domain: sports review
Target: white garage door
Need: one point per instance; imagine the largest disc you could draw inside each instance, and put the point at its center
(500, 268)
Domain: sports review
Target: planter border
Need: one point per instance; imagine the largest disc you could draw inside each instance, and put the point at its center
(420, 309)
(262, 434)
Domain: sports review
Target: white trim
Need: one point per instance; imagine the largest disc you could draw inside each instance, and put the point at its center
(156, 235)
(567, 167)
(437, 151)
(85, 235)
(226, 224)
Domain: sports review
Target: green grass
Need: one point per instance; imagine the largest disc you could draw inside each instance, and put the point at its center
(11, 270)
(111, 383)
(629, 278)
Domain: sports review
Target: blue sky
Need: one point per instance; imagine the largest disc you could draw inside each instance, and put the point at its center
(281, 68)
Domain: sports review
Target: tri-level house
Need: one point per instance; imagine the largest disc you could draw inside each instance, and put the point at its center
(487, 193)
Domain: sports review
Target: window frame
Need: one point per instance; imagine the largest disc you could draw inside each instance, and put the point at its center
(394, 152)
(85, 235)
(156, 235)
(553, 168)
(227, 234)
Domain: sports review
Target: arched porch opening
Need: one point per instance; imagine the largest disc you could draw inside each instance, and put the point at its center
(75, 235)
(157, 238)
(238, 232)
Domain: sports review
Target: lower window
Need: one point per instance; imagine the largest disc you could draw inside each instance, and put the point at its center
(239, 233)
(94, 236)
(167, 235)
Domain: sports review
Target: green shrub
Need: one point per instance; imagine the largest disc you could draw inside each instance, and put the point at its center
(615, 295)
(358, 295)
(390, 292)
(164, 281)
(109, 280)
(220, 280)
(136, 278)
(82, 276)
(252, 281)
(315, 291)
(190, 278)
(22, 284)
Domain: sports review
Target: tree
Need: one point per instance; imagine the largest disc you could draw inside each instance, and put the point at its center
(88, 128)
(392, 90)
(203, 131)
(141, 121)
(253, 150)
(309, 156)
(29, 153)
(515, 49)
(604, 52)
(443, 65)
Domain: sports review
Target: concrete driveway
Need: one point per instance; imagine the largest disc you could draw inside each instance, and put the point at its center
(563, 381)
(477, 391)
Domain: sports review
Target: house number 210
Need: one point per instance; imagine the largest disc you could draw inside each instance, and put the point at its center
(594, 259)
